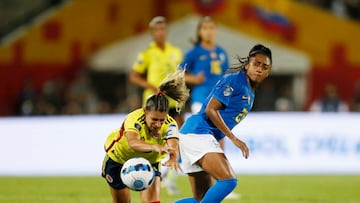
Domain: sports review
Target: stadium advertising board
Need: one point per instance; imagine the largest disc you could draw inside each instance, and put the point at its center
(280, 143)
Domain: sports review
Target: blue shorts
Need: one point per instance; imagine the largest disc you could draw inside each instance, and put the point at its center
(111, 172)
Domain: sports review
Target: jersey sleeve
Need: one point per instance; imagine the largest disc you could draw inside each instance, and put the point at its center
(172, 130)
(141, 63)
(224, 89)
(188, 62)
(131, 125)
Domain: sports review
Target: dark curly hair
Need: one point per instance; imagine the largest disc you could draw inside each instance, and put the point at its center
(257, 49)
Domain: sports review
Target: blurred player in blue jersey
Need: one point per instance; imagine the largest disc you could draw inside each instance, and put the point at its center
(205, 63)
(227, 104)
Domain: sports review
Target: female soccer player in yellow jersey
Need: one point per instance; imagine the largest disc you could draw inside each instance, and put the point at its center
(147, 132)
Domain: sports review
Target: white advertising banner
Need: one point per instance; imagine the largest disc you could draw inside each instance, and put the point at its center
(279, 143)
(298, 143)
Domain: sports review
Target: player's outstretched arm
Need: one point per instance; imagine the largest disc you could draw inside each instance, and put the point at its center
(212, 110)
(136, 144)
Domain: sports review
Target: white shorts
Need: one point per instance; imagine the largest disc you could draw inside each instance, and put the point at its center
(196, 107)
(195, 146)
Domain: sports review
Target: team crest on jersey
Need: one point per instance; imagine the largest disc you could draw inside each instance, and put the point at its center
(109, 178)
(228, 90)
(222, 57)
(137, 126)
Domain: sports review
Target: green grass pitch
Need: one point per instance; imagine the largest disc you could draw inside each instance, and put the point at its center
(253, 189)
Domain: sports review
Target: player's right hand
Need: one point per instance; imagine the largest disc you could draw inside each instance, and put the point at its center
(160, 149)
(200, 77)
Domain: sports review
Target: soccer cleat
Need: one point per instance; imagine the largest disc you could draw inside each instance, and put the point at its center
(233, 195)
(170, 187)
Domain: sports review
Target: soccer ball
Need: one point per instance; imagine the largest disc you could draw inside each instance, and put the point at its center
(137, 174)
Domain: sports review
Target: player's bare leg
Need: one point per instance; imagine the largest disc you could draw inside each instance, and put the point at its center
(221, 169)
(200, 182)
(152, 194)
(120, 196)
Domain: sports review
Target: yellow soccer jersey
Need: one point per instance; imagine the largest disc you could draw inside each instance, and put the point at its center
(116, 145)
(157, 64)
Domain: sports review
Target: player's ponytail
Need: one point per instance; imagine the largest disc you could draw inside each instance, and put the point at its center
(173, 86)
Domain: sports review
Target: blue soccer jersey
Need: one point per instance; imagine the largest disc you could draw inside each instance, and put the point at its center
(237, 98)
(213, 63)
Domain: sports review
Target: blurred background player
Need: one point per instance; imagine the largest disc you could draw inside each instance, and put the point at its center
(205, 63)
(147, 132)
(152, 65)
(228, 103)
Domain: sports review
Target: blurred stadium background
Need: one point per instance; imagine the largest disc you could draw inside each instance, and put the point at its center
(52, 49)
(64, 66)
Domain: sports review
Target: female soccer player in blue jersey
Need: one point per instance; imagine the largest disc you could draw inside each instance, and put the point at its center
(147, 132)
(205, 63)
(227, 104)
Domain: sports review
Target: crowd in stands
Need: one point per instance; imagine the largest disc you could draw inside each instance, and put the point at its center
(79, 96)
(76, 97)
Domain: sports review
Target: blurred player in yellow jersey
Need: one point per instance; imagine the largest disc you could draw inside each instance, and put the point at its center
(147, 132)
(155, 62)
(151, 67)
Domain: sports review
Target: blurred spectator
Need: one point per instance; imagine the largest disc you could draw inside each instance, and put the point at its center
(72, 108)
(355, 104)
(330, 102)
(104, 107)
(284, 102)
(132, 102)
(27, 99)
(266, 100)
(53, 93)
(44, 107)
(80, 98)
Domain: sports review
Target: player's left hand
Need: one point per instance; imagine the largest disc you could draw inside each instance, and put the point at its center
(242, 146)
